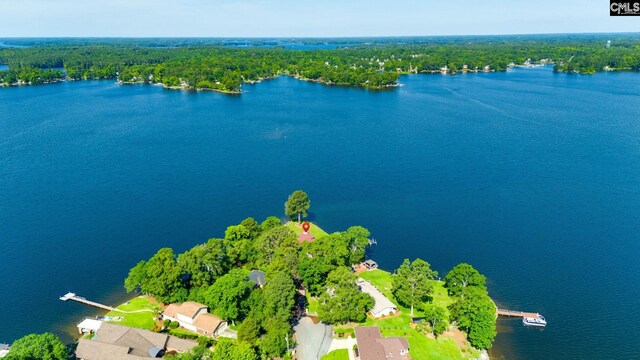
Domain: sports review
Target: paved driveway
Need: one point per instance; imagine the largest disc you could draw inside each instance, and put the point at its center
(313, 339)
(348, 343)
(228, 333)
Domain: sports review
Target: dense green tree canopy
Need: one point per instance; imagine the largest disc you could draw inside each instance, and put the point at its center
(238, 241)
(436, 317)
(461, 276)
(252, 226)
(225, 349)
(270, 223)
(343, 301)
(314, 271)
(279, 296)
(358, 238)
(137, 276)
(297, 205)
(203, 65)
(474, 312)
(411, 282)
(270, 241)
(203, 264)
(319, 258)
(249, 330)
(160, 276)
(38, 347)
(228, 293)
(274, 342)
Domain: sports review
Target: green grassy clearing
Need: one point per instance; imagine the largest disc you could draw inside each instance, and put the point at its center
(312, 304)
(342, 354)
(315, 230)
(140, 319)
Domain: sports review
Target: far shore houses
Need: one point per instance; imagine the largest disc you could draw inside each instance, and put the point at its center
(196, 317)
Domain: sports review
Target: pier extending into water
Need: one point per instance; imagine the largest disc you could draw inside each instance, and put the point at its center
(522, 314)
(80, 299)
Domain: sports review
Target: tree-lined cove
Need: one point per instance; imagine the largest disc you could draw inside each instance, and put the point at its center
(99, 176)
(206, 65)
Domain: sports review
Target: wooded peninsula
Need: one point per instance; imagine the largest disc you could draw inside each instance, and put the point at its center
(219, 65)
(251, 291)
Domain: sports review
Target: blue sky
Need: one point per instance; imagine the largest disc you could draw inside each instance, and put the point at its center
(287, 18)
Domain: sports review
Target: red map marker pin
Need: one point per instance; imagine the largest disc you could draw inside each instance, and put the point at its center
(306, 226)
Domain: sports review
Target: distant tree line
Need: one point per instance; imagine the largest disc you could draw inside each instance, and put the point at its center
(197, 65)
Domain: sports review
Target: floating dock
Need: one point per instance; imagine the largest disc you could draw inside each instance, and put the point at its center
(524, 315)
(74, 297)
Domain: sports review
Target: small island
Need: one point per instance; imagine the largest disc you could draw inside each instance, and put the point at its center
(262, 293)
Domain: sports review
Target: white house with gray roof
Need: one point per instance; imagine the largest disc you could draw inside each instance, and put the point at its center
(382, 306)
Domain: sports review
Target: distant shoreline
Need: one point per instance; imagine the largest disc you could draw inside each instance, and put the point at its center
(318, 81)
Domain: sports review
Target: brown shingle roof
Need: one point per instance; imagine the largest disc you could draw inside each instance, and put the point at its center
(180, 345)
(94, 350)
(372, 346)
(116, 342)
(188, 309)
(172, 310)
(207, 322)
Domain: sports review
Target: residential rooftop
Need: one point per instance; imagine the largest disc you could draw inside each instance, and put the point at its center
(382, 305)
(372, 346)
(116, 342)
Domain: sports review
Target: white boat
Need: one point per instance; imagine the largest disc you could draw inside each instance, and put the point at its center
(539, 320)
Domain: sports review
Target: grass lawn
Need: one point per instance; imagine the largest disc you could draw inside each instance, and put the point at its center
(316, 231)
(136, 313)
(312, 304)
(421, 347)
(342, 354)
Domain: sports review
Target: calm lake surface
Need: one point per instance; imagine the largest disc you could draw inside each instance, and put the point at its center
(532, 177)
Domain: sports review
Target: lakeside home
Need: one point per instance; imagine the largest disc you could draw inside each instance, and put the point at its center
(116, 342)
(195, 317)
(382, 306)
(372, 346)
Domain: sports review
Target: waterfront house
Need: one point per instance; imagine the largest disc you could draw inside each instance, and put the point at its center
(372, 346)
(195, 317)
(382, 306)
(116, 342)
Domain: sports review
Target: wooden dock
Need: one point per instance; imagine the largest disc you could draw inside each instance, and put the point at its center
(74, 297)
(505, 312)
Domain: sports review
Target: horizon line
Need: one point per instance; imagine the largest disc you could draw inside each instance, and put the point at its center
(319, 37)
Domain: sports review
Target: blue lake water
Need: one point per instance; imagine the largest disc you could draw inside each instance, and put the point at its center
(532, 177)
